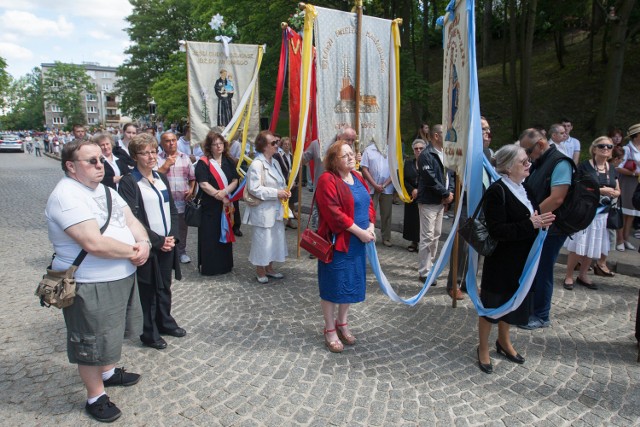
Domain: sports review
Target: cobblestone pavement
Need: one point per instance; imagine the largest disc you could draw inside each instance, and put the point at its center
(254, 354)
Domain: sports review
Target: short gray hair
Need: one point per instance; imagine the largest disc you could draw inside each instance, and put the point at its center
(506, 157)
(418, 141)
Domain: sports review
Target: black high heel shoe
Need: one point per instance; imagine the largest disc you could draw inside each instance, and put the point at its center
(486, 368)
(515, 359)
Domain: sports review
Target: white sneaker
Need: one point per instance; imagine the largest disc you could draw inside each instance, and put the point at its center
(620, 247)
(184, 259)
(629, 246)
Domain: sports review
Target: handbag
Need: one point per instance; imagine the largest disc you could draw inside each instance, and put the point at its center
(474, 231)
(58, 288)
(630, 165)
(249, 198)
(193, 211)
(614, 219)
(315, 244)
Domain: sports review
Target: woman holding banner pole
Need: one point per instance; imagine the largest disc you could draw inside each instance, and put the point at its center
(513, 221)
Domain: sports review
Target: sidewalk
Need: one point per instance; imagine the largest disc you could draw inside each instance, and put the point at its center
(627, 262)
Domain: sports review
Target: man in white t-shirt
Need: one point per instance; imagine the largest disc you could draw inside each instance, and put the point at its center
(96, 321)
(573, 145)
(375, 169)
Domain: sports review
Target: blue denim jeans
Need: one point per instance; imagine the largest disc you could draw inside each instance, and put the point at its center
(543, 282)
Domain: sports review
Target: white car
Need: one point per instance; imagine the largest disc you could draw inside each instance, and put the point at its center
(10, 142)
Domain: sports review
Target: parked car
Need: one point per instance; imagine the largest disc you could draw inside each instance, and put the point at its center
(10, 142)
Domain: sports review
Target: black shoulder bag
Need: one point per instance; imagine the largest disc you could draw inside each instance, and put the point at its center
(474, 231)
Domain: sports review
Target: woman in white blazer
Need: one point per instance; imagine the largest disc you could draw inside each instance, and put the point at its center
(265, 181)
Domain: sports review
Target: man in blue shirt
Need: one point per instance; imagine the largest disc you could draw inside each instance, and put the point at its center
(549, 193)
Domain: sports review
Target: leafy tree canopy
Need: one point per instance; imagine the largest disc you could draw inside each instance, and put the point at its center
(63, 86)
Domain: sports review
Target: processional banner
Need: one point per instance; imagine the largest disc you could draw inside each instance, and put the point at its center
(335, 39)
(456, 101)
(218, 84)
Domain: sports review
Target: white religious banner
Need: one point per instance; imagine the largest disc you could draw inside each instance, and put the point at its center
(219, 83)
(335, 39)
(456, 106)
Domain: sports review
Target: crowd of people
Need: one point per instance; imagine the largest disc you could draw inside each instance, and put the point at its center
(139, 185)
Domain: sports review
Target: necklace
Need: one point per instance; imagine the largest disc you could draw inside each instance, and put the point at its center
(348, 179)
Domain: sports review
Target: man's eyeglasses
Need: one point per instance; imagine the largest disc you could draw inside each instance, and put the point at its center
(94, 161)
(605, 146)
(274, 143)
(147, 153)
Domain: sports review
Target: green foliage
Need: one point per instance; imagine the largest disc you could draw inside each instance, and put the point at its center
(156, 27)
(63, 86)
(5, 80)
(25, 102)
(170, 91)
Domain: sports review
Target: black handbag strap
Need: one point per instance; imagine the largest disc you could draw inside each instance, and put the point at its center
(477, 211)
(83, 253)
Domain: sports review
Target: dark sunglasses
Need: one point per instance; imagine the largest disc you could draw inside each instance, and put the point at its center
(274, 143)
(93, 161)
(605, 146)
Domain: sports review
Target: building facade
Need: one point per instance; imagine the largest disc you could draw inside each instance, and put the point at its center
(102, 107)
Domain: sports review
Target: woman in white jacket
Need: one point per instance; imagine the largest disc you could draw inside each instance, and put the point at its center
(265, 181)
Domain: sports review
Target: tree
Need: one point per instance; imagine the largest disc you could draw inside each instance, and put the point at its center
(611, 90)
(64, 85)
(25, 102)
(5, 80)
(170, 91)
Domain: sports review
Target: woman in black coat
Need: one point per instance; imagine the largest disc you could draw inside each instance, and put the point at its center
(411, 223)
(148, 194)
(114, 168)
(512, 220)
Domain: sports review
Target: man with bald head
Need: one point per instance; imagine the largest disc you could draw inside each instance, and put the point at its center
(549, 181)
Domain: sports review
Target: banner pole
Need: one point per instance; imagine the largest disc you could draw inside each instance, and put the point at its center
(299, 208)
(356, 144)
(454, 254)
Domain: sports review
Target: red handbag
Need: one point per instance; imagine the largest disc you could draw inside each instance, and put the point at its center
(314, 243)
(630, 165)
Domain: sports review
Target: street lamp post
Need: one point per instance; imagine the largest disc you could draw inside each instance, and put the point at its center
(152, 113)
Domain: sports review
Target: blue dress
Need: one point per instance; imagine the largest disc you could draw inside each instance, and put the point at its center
(343, 280)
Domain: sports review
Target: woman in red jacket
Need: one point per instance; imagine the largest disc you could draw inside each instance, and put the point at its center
(346, 213)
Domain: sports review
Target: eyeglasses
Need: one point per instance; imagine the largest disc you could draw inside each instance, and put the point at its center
(348, 156)
(217, 143)
(94, 161)
(148, 153)
(530, 149)
(418, 148)
(274, 143)
(605, 146)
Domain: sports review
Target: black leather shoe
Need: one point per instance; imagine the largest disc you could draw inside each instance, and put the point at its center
(486, 368)
(103, 410)
(515, 359)
(237, 233)
(593, 286)
(177, 332)
(122, 378)
(158, 345)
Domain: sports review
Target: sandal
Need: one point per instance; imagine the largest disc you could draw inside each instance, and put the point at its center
(412, 248)
(348, 339)
(602, 271)
(333, 346)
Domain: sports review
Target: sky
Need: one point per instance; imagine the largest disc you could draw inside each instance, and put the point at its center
(73, 31)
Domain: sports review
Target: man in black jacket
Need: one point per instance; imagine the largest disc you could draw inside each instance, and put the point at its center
(434, 191)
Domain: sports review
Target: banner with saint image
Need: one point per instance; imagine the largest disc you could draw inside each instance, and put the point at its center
(456, 107)
(219, 81)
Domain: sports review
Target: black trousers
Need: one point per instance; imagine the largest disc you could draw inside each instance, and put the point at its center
(236, 216)
(155, 298)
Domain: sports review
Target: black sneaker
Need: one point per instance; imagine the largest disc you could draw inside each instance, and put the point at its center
(122, 378)
(103, 410)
